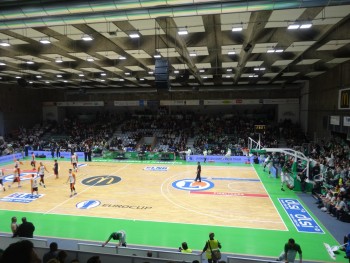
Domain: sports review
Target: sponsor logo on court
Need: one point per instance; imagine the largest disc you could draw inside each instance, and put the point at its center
(229, 194)
(82, 164)
(88, 204)
(190, 185)
(20, 198)
(142, 207)
(101, 180)
(25, 175)
(301, 219)
(156, 168)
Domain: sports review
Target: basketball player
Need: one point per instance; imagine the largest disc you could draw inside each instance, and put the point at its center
(74, 161)
(41, 173)
(34, 185)
(268, 163)
(33, 162)
(17, 163)
(55, 169)
(285, 177)
(71, 179)
(16, 177)
(2, 179)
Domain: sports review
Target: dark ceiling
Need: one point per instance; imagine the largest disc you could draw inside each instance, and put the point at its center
(210, 55)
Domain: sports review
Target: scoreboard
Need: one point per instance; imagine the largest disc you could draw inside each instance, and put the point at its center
(260, 128)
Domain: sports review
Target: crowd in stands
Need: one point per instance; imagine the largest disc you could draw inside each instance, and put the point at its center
(214, 133)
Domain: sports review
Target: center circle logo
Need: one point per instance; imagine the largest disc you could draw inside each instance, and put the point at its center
(88, 204)
(190, 185)
(101, 180)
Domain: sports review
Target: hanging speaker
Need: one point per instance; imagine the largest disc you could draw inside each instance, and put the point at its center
(161, 74)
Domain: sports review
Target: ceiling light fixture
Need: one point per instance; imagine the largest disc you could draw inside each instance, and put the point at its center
(90, 59)
(306, 26)
(86, 37)
(259, 69)
(58, 60)
(270, 51)
(176, 72)
(122, 58)
(5, 44)
(279, 50)
(30, 62)
(157, 55)
(237, 28)
(134, 35)
(18, 77)
(231, 52)
(127, 73)
(103, 74)
(81, 75)
(293, 26)
(182, 32)
(38, 77)
(193, 54)
(2, 64)
(229, 70)
(45, 41)
(201, 70)
(59, 76)
(150, 72)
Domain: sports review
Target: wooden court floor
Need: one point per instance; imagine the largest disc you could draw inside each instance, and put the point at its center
(227, 196)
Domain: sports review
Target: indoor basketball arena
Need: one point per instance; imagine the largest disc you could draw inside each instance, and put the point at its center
(162, 130)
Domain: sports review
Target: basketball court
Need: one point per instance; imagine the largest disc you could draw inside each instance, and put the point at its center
(159, 204)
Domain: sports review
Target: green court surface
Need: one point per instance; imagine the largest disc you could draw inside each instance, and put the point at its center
(238, 241)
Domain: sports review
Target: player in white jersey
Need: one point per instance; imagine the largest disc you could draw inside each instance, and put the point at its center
(71, 179)
(41, 173)
(74, 161)
(34, 184)
(2, 179)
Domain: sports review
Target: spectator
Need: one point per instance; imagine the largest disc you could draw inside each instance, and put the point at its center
(290, 251)
(62, 256)
(94, 259)
(20, 252)
(26, 229)
(211, 245)
(184, 248)
(14, 226)
(52, 253)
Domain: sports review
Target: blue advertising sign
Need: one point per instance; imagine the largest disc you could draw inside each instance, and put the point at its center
(301, 219)
(20, 198)
(10, 158)
(219, 159)
(63, 154)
